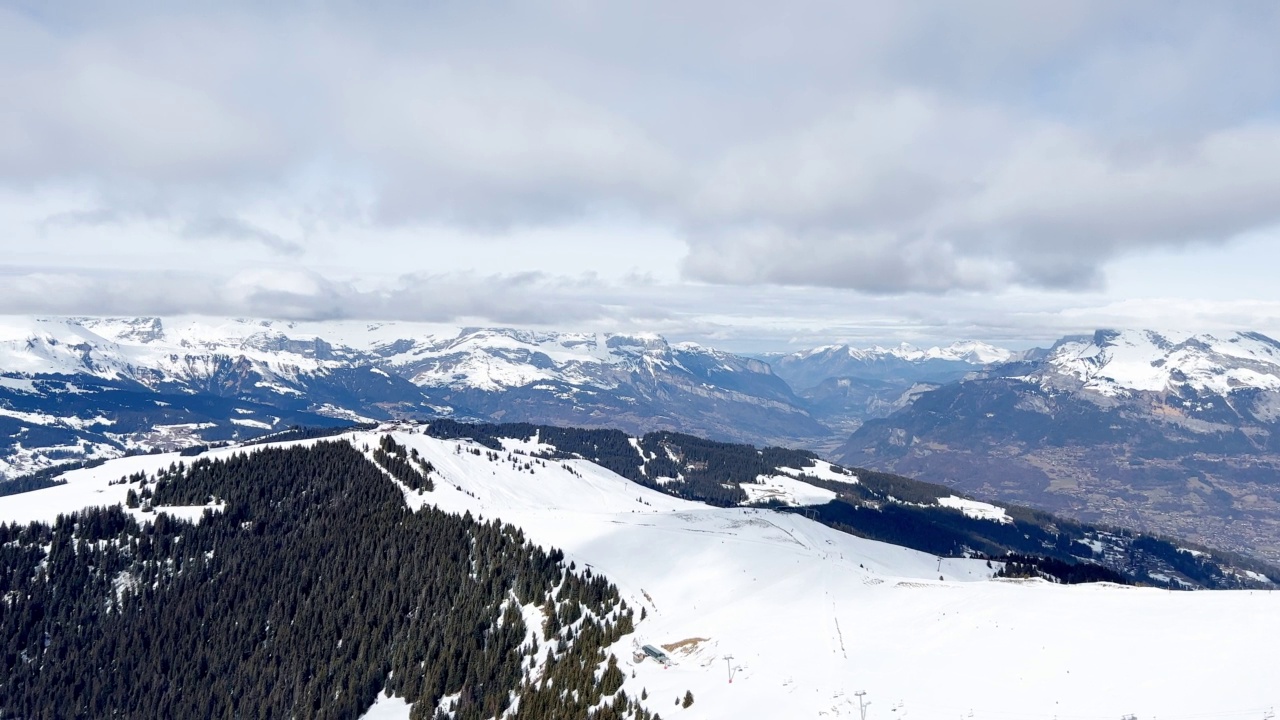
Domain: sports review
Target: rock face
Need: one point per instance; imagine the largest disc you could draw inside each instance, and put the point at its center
(84, 388)
(1172, 433)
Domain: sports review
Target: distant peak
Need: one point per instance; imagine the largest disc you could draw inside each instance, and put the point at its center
(131, 330)
(1114, 362)
(974, 352)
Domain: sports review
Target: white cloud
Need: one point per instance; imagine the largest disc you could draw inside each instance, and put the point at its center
(913, 193)
(514, 299)
(947, 157)
(491, 149)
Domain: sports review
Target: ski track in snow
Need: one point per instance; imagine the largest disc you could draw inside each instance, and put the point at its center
(811, 615)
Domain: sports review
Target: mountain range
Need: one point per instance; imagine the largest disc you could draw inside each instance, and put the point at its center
(465, 571)
(88, 388)
(1167, 432)
(1173, 433)
(843, 386)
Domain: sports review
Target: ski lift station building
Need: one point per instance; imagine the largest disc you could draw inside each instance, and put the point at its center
(656, 654)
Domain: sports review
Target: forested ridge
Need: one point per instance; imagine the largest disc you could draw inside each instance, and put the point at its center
(694, 468)
(886, 507)
(310, 590)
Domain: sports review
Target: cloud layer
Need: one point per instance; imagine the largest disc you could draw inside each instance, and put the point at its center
(885, 149)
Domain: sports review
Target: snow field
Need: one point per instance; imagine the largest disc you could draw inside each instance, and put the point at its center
(810, 615)
(786, 489)
(976, 509)
(1144, 360)
(388, 708)
(85, 488)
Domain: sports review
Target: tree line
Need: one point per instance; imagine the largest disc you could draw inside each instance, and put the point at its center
(309, 591)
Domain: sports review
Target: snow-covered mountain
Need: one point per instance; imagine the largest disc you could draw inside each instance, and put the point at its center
(499, 359)
(1112, 362)
(843, 386)
(638, 382)
(161, 353)
(968, 351)
(253, 357)
(74, 388)
(766, 614)
(1179, 433)
(89, 388)
(808, 368)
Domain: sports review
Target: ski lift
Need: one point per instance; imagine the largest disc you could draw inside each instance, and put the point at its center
(656, 654)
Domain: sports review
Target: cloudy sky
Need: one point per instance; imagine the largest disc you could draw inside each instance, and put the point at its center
(754, 175)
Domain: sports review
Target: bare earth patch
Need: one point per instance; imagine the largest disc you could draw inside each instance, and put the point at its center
(685, 647)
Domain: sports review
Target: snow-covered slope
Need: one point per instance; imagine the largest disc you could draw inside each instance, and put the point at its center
(1119, 362)
(770, 615)
(34, 346)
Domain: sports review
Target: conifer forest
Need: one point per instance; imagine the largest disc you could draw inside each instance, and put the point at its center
(307, 589)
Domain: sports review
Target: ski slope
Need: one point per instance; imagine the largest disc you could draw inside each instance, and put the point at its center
(802, 616)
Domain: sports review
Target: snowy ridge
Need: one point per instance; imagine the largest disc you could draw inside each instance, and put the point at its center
(1116, 362)
(148, 351)
(494, 359)
(967, 351)
(156, 351)
(314, 374)
(30, 346)
(94, 487)
(801, 616)
(902, 365)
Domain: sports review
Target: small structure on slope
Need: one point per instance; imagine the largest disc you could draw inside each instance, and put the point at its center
(653, 652)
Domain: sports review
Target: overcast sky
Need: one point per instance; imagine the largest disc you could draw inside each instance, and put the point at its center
(753, 175)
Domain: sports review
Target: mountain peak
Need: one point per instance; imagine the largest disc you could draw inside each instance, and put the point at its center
(137, 330)
(1114, 362)
(808, 368)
